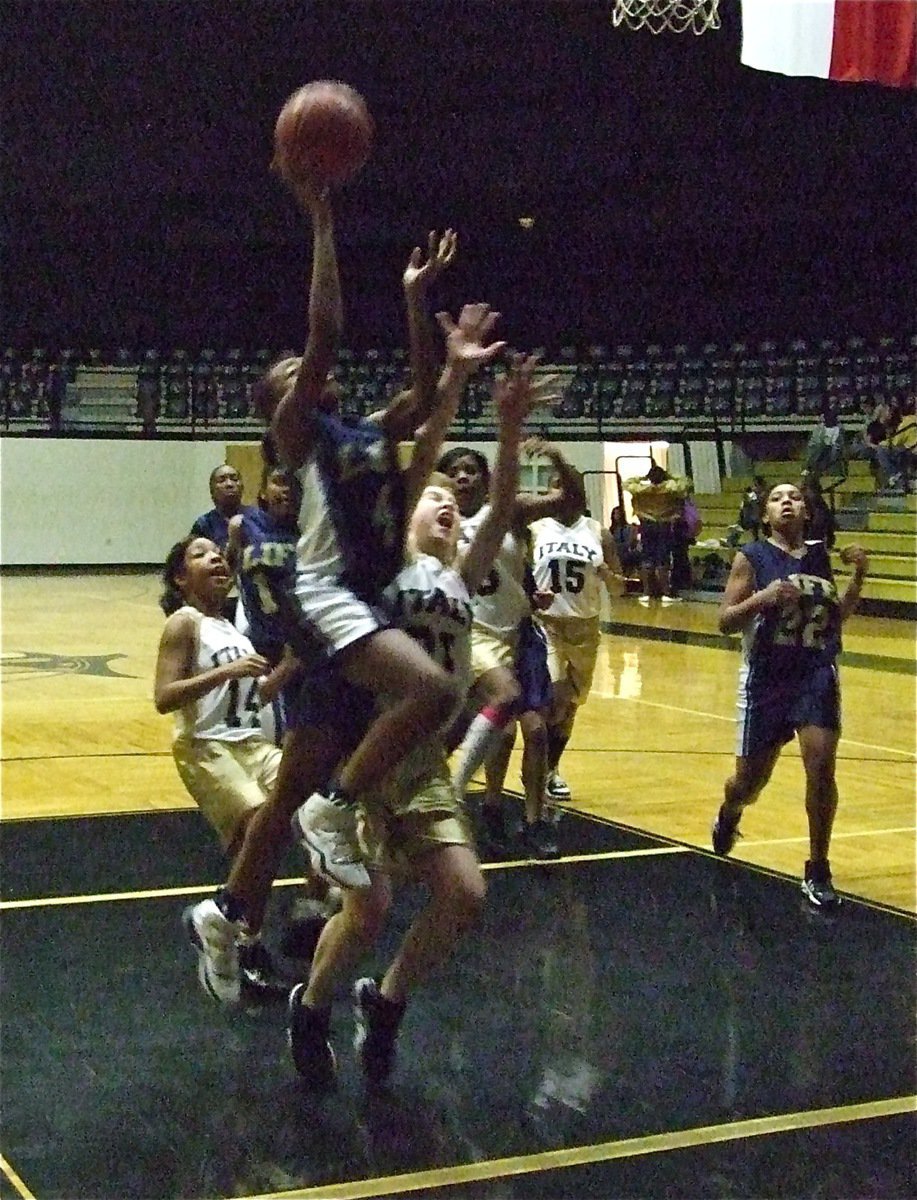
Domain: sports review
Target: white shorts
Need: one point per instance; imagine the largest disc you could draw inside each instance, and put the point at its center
(227, 779)
(573, 647)
(489, 650)
(334, 616)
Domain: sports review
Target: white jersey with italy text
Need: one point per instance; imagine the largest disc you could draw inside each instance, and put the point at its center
(230, 712)
(431, 603)
(500, 603)
(565, 559)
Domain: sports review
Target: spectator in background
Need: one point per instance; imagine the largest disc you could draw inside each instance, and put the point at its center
(226, 494)
(826, 450)
(55, 396)
(872, 443)
(658, 498)
(902, 447)
(626, 537)
(148, 392)
(685, 528)
(753, 502)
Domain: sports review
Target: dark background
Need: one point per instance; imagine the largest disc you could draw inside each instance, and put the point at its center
(676, 194)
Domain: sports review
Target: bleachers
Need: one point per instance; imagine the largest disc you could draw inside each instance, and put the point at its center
(609, 392)
(884, 525)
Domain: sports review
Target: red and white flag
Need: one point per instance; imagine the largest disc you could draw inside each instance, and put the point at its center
(848, 40)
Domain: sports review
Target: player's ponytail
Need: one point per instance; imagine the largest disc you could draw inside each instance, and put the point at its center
(172, 598)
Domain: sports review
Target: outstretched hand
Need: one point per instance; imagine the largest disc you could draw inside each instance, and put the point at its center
(514, 392)
(539, 447)
(313, 197)
(441, 250)
(466, 340)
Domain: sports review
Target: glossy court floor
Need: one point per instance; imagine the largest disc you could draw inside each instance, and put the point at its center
(641, 1019)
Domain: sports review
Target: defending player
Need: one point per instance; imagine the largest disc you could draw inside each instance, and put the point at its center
(209, 675)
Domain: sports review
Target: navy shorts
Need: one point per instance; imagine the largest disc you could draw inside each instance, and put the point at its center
(655, 543)
(531, 668)
(770, 716)
(323, 699)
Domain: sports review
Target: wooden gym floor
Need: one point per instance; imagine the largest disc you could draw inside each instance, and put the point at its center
(641, 1019)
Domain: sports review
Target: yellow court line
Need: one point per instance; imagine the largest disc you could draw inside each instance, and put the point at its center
(209, 888)
(856, 833)
(577, 1156)
(15, 1180)
(598, 856)
(696, 712)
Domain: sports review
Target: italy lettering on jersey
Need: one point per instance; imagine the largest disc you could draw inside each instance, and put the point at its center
(352, 518)
(783, 643)
(501, 602)
(431, 603)
(565, 561)
(231, 711)
(267, 572)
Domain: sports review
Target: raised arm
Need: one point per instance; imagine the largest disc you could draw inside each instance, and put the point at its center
(468, 349)
(859, 559)
(291, 425)
(411, 407)
(515, 399)
(235, 543)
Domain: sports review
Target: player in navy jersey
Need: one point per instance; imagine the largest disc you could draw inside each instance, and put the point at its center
(782, 596)
(262, 542)
(226, 494)
(351, 544)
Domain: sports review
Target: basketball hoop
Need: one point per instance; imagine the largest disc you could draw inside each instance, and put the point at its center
(677, 16)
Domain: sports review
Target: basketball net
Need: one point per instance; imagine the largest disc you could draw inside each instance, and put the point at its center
(677, 16)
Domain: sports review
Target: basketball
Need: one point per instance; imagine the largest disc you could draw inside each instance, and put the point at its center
(324, 132)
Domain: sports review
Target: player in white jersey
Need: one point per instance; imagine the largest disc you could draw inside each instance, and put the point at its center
(414, 824)
(209, 675)
(502, 610)
(573, 557)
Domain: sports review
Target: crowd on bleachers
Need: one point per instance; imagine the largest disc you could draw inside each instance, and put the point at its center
(744, 380)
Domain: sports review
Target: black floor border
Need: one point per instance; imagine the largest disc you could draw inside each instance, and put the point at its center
(566, 809)
(720, 641)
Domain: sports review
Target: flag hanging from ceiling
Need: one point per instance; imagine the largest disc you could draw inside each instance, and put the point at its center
(849, 40)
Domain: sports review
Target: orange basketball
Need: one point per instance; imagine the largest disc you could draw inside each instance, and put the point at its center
(324, 132)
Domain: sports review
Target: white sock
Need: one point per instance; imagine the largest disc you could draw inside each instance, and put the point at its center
(478, 742)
